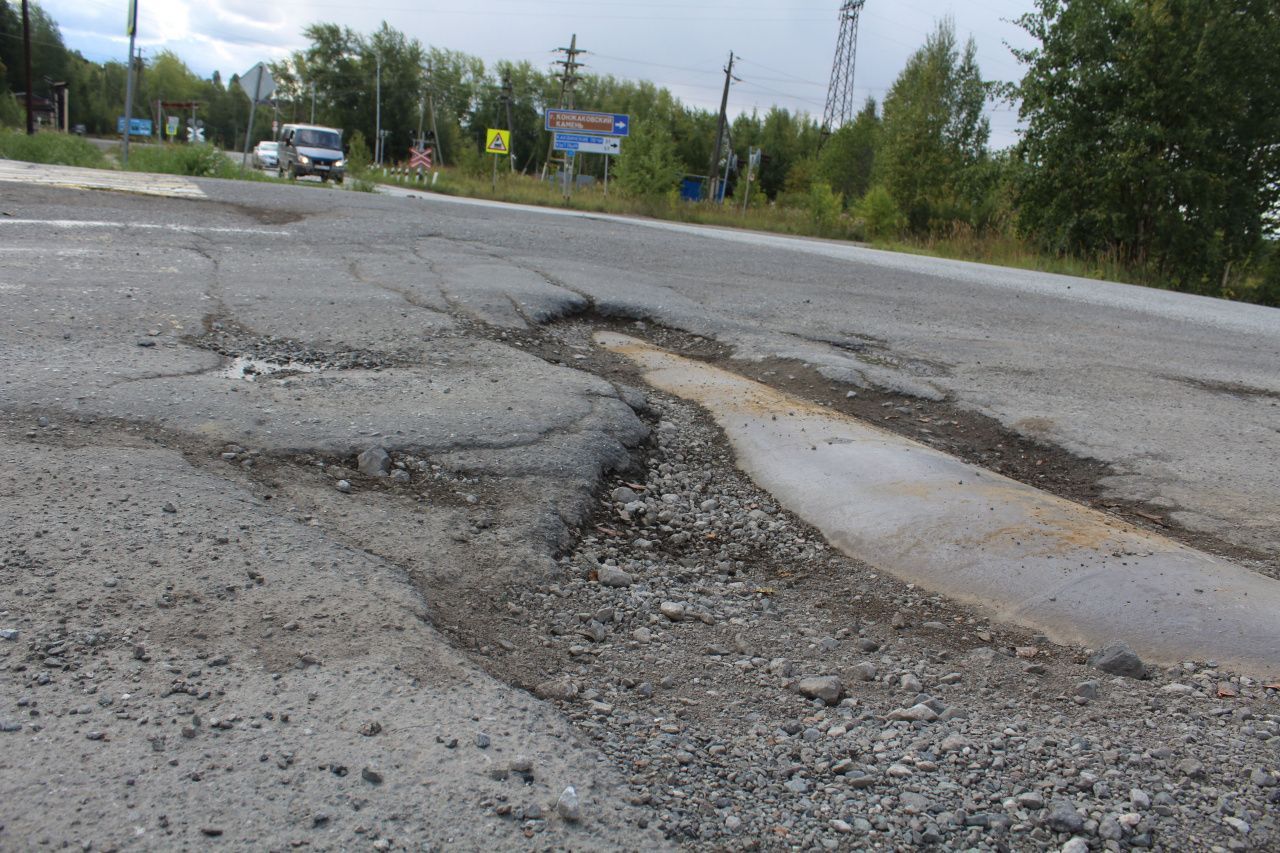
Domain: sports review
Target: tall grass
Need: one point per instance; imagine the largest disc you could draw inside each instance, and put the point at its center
(195, 161)
(528, 190)
(50, 147)
(999, 247)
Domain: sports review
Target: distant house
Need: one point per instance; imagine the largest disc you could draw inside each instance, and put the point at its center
(43, 110)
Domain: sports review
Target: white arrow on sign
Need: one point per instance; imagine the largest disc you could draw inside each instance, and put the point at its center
(257, 82)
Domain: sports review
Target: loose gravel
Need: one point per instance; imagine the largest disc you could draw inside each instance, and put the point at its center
(764, 692)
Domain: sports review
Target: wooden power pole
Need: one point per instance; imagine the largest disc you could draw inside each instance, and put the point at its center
(713, 171)
(568, 79)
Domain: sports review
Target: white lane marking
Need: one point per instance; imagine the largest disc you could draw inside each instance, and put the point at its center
(74, 177)
(154, 226)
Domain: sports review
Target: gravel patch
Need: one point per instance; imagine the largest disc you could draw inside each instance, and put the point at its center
(763, 691)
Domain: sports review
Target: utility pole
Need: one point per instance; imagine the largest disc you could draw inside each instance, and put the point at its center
(313, 103)
(568, 79)
(713, 171)
(431, 105)
(128, 85)
(26, 50)
(507, 95)
(378, 144)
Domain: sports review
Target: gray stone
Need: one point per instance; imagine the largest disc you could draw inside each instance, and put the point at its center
(374, 462)
(673, 610)
(1031, 800)
(1119, 659)
(796, 785)
(919, 712)
(1063, 817)
(828, 688)
(1087, 689)
(10, 634)
(562, 689)
(568, 806)
(624, 495)
(913, 803)
(865, 671)
(1237, 824)
(1075, 845)
(343, 486)
(1191, 768)
(613, 576)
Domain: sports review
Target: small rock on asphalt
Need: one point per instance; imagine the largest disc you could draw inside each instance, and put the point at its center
(1119, 659)
(374, 462)
(568, 807)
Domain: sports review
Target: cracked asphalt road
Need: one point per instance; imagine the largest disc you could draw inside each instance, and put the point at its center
(1180, 395)
(412, 318)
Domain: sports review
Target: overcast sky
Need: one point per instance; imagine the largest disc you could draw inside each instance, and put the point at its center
(786, 46)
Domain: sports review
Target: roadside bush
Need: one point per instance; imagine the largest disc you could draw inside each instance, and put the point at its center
(51, 147)
(824, 207)
(880, 214)
(471, 162)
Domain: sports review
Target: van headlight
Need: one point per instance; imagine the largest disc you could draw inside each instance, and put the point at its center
(304, 159)
(338, 164)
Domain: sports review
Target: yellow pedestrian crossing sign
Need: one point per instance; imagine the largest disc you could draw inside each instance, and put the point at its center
(497, 141)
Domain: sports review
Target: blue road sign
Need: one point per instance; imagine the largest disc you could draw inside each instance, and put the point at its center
(137, 126)
(577, 121)
(586, 143)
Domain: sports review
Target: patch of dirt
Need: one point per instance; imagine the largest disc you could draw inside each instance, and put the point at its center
(265, 215)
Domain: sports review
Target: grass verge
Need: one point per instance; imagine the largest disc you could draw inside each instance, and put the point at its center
(194, 161)
(54, 148)
(992, 247)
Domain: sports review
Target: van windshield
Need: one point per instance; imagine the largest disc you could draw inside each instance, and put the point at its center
(311, 138)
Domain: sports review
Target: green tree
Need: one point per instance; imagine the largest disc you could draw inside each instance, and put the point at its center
(648, 165)
(933, 133)
(847, 160)
(1153, 132)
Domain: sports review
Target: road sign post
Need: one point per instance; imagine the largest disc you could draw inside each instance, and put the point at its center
(132, 27)
(498, 143)
(257, 84)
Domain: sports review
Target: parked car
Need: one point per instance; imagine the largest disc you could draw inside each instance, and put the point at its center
(307, 149)
(266, 155)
